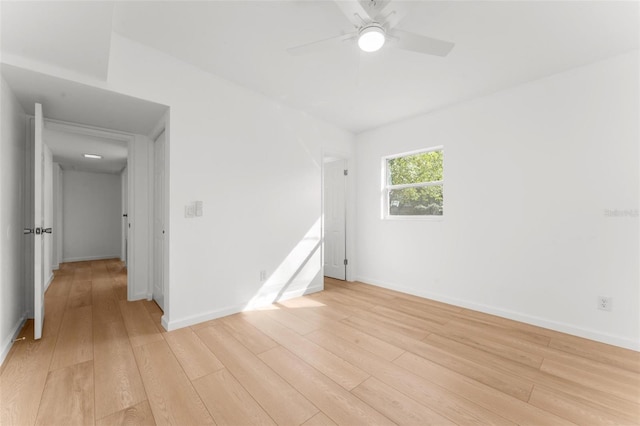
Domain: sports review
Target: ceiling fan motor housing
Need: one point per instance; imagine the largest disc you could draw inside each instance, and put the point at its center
(371, 37)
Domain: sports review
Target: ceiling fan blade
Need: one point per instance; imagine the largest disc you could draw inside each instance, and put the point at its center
(354, 11)
(320, 45)
(422, 44)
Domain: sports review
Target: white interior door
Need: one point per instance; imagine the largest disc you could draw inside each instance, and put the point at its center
(124, 187)
(38, 224)
(335, 265)
(158, 220)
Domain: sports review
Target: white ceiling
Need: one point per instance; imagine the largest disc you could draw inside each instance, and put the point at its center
(68, 147)
(74, 36)
(69, 101)
(498, 45)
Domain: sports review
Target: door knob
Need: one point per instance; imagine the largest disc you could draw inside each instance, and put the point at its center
(27, 231)
(46, 230)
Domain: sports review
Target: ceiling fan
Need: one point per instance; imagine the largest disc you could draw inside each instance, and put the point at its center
(375, 22)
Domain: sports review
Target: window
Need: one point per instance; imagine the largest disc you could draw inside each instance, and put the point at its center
(413, 185)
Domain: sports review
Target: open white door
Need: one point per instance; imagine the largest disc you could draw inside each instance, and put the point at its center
(158, 220)
(335, 258)
(38, 225)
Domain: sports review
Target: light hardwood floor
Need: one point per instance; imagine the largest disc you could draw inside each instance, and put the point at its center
(353, 354)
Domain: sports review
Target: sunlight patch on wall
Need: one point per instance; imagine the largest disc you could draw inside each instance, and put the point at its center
(295, 274)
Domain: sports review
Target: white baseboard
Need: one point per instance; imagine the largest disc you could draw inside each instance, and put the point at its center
(8, 342)
(86, 258)
(198, 318)
(170, 325)
(46, 286)
(610, 339)
(139, 296)
(164, 323)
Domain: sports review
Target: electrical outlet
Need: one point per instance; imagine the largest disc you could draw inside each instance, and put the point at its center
(604, 303)
(263, 275)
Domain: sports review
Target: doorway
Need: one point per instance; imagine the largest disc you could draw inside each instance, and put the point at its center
(105, 115)
(86, 191)
(335, 218)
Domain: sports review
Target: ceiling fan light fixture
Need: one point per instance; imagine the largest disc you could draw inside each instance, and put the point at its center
(371, 38)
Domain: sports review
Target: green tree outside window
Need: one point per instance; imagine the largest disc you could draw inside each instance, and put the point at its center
(415, 183)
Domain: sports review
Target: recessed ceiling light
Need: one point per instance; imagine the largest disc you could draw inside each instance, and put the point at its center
(94, 156)
(371, 37)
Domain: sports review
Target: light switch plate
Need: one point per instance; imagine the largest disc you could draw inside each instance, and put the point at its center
(189, 210)
(198, 208)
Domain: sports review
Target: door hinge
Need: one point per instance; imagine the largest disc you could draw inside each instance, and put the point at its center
(346, 172)
(346, 262)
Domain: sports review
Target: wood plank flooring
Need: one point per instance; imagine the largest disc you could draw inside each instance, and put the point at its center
(353, 354)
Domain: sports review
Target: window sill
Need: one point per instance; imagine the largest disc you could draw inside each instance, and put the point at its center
(415, 218)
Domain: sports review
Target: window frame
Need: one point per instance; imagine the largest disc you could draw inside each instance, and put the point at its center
(387, 187)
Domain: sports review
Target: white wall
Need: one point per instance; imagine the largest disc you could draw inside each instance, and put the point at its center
(91, 215)
(529, 175)
(254, 163)
(12, 189)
